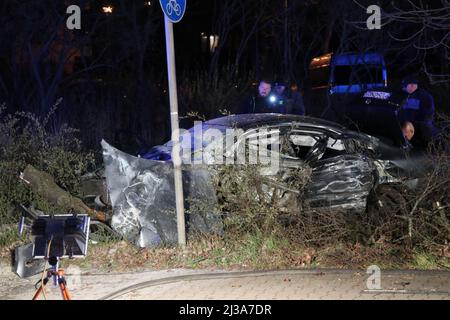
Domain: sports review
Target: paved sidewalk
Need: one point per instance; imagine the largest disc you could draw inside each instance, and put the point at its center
(204, 284)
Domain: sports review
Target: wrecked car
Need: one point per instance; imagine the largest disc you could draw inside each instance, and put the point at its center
(346, 166)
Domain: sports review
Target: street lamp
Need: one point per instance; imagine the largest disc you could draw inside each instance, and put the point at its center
(209, 42)
(108, 9)
(213, 43)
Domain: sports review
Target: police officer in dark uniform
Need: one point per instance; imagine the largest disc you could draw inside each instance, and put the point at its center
(274, 99)
(263, 101)
(291, 100)
(418, 109)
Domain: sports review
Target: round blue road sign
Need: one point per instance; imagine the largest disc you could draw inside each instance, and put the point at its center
(173, 9)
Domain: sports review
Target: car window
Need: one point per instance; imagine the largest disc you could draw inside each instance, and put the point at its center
(346, 75)
(302, 144)
(292, 144)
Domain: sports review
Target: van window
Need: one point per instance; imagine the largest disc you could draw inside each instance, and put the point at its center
(357, 74)
(319, 77)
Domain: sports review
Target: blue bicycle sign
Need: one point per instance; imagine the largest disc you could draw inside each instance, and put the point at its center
(173, 9)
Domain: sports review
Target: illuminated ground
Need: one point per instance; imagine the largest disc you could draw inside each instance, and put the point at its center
(195, 284)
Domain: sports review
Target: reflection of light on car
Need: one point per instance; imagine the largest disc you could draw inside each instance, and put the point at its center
(272, 98)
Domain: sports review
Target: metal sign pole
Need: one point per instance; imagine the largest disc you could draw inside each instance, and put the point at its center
(176, 156)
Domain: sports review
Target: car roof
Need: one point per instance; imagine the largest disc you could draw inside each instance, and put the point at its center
(246, 121)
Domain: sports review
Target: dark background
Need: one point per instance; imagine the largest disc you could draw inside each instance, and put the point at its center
(109, 78)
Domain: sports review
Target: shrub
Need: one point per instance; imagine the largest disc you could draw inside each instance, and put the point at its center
(252, 202)
(26, 139)
(418, 217)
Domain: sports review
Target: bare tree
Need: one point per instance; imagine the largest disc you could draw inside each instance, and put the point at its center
(103, 72)
(42, 52)
(418, 32)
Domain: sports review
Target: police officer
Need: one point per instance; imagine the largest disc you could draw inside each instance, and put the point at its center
(263, 101)
(291, 100)
(419, 110)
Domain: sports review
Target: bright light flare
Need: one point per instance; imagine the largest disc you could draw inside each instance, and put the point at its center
(107, 9)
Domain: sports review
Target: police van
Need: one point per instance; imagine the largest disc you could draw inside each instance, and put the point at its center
(335, 79)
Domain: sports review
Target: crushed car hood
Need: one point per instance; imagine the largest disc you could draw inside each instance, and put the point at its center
(143, 198)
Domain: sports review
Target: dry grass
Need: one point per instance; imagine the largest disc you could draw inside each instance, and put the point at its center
(255, 252)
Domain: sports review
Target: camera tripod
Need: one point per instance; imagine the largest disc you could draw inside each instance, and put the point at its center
(58, 278)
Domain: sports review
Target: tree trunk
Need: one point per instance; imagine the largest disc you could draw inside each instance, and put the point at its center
(44, 185)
